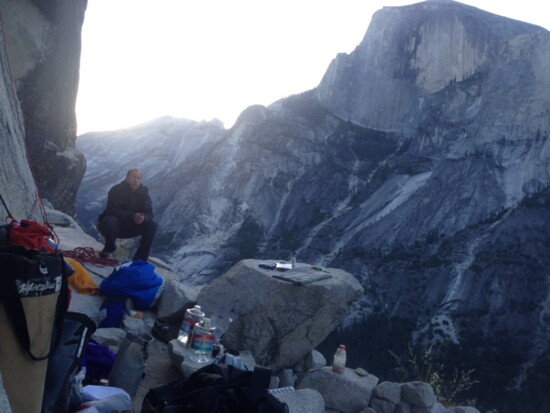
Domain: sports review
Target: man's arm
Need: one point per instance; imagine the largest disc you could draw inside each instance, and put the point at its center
(146, 205)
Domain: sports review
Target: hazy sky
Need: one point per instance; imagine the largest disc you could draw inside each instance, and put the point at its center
(206, 59)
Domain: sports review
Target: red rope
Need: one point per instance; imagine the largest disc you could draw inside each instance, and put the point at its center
(88, 254)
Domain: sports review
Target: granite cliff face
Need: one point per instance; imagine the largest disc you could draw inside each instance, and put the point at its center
(16, 182)
(413, 53)
(41, 47)
(420, 164)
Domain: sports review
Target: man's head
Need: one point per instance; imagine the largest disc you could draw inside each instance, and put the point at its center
(133, 178)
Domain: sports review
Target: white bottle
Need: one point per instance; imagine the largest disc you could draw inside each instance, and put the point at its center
(339, 360)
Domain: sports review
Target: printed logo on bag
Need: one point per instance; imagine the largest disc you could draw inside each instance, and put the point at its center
(36, 287)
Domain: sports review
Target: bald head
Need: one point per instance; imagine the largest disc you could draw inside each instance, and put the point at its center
(133, 178)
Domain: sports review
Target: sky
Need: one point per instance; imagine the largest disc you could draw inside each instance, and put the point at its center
(206, 59)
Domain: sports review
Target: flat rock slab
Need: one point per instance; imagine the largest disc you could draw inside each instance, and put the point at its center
(280, 333)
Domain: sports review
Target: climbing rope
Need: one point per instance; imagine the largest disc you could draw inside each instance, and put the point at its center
(7, 209)
(89, 255)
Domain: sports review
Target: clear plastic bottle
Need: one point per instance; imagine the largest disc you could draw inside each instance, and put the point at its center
(221, 323)
(191, 317)
(202, 341)
(339, 360)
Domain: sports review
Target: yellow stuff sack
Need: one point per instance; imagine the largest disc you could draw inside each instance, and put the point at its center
(81, 278)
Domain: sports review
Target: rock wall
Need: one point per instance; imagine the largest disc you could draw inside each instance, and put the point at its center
(16, 182)
(42, 44)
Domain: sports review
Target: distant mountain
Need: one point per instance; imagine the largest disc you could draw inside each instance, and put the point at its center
(420, 164)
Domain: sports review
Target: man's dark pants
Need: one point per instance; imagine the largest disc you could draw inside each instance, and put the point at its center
(111, 228)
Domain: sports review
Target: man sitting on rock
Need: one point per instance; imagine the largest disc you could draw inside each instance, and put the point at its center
(129, 213)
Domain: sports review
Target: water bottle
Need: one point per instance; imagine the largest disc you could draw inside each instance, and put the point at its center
(202, 341)
(191, 317)
(221, 323)
(339, 360)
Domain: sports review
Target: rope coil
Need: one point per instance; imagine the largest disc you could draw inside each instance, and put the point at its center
(89, 255)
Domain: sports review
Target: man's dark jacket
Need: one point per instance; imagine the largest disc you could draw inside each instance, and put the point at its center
(123, 203)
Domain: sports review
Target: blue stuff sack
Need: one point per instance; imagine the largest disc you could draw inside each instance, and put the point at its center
(137, 280)
(98, 360)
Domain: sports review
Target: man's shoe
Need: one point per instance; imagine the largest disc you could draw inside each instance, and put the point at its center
(104, 254)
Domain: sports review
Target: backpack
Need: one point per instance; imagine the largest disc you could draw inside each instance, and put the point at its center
(63, 362)
(216, 388)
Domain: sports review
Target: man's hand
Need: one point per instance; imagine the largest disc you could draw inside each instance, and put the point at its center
(139, 218)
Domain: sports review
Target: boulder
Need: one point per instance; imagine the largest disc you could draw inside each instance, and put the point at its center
(279, 333)
(175, 299)
(286, 378)
(303, 401)
(434, 408)
(347, 392)
(418, 394)
(382, 405)
(313, 361)
(173, 302)
(388, 391)
(385, 397)
(403, 407)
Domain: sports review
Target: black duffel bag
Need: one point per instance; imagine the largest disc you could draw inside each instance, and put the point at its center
(216, 388)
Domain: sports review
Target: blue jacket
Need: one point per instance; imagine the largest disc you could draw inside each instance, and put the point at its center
(137, 280)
